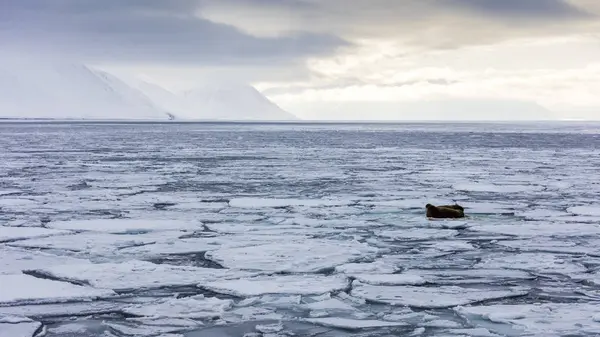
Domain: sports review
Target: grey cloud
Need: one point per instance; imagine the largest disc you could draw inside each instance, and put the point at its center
(147, 31)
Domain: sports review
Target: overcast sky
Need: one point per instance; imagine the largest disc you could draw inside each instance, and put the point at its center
(336, 58)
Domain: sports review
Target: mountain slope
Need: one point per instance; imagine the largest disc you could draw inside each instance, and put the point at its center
(57, 89)
(216, 100)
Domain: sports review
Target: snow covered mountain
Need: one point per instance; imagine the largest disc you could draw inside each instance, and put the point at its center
(56, 89)
(216, 100)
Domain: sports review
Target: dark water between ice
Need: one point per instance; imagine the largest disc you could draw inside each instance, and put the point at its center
(532, 192)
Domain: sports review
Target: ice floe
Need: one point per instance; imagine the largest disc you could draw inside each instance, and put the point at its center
(14, 326)
(540, 263)
(195, 307)
(266, 202)
(124, 226)
(22, 289)
(550, 319)
(135, 274)
(20, 233)
(418, 234)
(390, 279)
(16, 260)
(352, 324)
(431, 297)
(301, 256)
(278, 284)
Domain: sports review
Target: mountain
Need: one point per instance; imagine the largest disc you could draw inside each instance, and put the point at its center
(216, 99)
(60, 89)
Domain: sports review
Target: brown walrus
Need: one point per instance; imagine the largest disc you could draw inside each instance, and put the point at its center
(445, 211)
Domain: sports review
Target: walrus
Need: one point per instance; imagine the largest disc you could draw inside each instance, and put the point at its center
(445, 211)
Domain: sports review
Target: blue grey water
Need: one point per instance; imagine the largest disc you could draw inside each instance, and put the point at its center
(531, 192)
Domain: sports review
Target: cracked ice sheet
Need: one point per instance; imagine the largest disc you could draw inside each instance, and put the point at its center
(153, 327)
(284, 202)
(41, 311)
(203, 244)
(19, 233)
(15, 260)
(418, 234)
(540, 263)
(23, 289)
(123, 226)
(471, 276)
(278, 284)
(195, 307)
(531, 228)
(23, 328)
(312, 255)
(135, 275)
(99, 243)
(431, 297)
(268, 229)
(588, 246)
(352, 324)
(548, 320)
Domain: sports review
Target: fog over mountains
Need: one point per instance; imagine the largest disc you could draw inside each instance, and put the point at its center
(58, 89)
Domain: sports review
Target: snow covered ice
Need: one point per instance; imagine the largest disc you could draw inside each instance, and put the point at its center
(278, 229)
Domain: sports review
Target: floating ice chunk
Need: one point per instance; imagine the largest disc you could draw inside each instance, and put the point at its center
(353, 324)
(494, 188)
(531, 228)
(265, 202)
(18, 327)
(136, 274)
(418, 234)
(473, 332)
(41, 311)
(589, 246)
(245, 314)
(98, 243)
(376, 267)
(269, 328)
(15, 260)
(195, 307)
(467, 276)
(540, 214)
(541, 263)
(551, 319)
(490, 208)
(332, 304)
(278, 284)
(19, 233)
(430, 297)
(154, 327)
(450, 246)
(310, 255)
(22, 289)
(585, 210)
(69, 328)
(390, 279)
(123, 226)
(8, 192)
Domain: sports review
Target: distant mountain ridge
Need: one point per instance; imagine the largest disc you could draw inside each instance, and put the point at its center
(43, 89)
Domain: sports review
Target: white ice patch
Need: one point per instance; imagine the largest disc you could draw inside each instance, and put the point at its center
(62, 309)
(15, 260)
(552, 319)
(269, 203)
(195, 307)
(585, 210)
(430, 297)
(376, 267)
(390, 279)
(134, 275)
(278, 284)
(494, 188)
(21, 289)
(123, 226)
(98, 243)
(556, 245)
(540, 214)
(300, 256)
(19, 233)
(469, 276)
(24, 328)
(537, 228)
(418, 234)
(352, 324)
(541, 263)
(490, 207)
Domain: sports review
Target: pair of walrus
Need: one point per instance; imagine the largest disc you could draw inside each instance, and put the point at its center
(445, 211)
